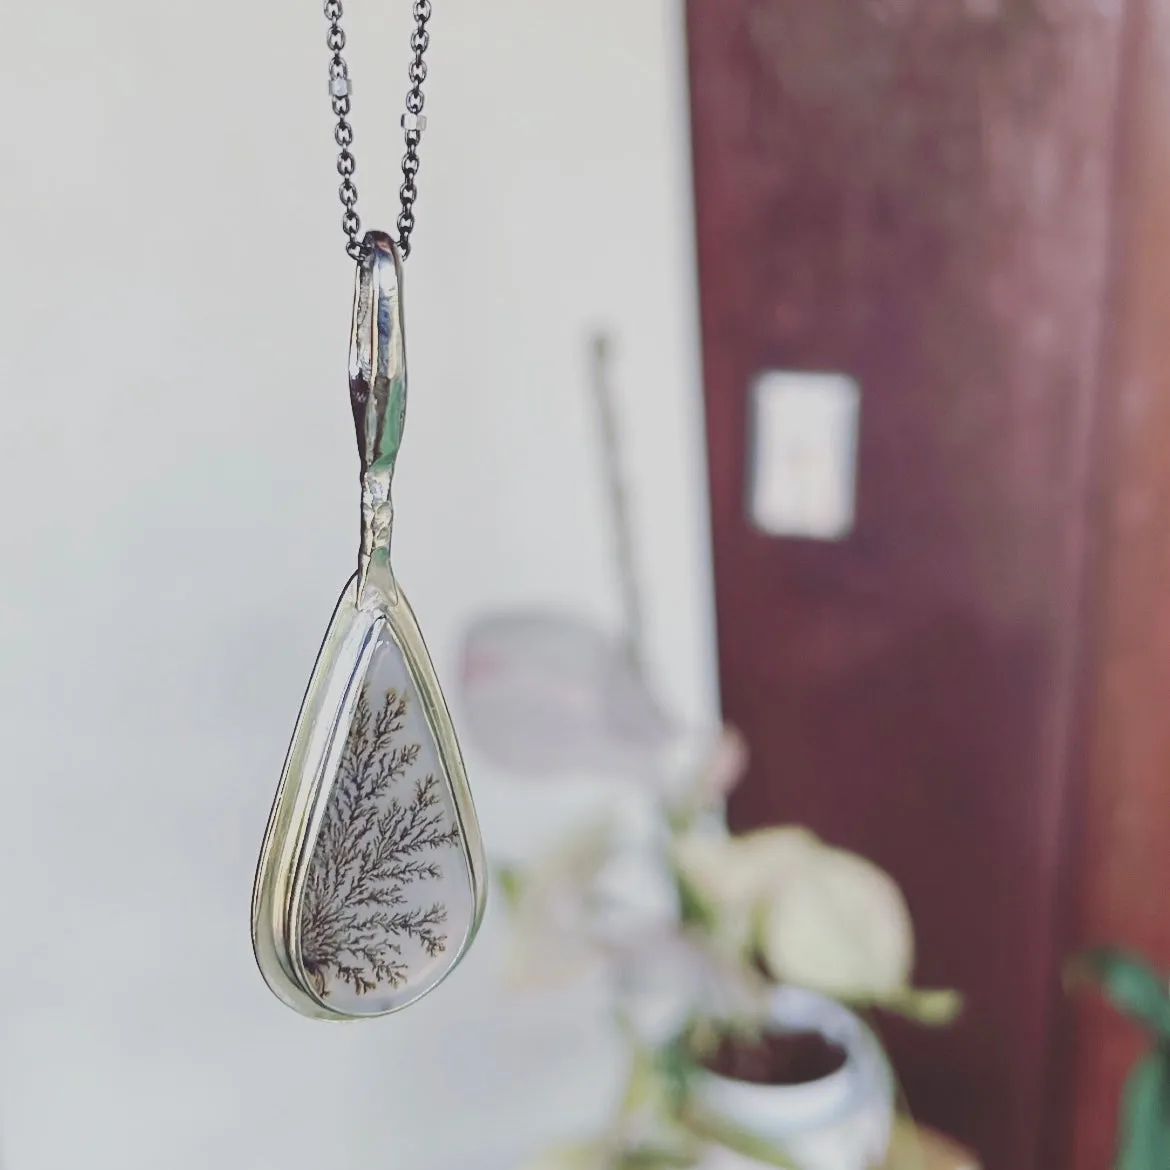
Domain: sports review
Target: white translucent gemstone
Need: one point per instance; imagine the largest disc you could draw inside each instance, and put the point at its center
(389, 902)
(339, 85)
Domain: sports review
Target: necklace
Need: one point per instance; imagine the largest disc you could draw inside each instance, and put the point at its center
(370, 886)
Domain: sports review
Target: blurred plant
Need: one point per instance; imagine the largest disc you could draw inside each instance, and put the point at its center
(1142, 994)
(692, 927)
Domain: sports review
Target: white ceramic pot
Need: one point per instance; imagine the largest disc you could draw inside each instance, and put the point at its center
(842, 1122)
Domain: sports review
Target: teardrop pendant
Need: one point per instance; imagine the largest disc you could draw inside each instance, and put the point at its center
(371, 882)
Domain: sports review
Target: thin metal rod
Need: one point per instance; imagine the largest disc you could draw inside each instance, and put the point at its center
(617, 489)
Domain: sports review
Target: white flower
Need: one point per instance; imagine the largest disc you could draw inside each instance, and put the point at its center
(633, 895)
(733, 874)
(553, 935)
(668, 980)
(724, 768)
(603, 890)
(820, 917)
(839, 925)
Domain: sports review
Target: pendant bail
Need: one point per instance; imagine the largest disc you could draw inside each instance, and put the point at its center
(377, 389)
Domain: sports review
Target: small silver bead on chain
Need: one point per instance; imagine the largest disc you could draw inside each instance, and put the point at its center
(414, 122)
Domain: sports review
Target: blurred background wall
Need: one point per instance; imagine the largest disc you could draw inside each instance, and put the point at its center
(180, 511)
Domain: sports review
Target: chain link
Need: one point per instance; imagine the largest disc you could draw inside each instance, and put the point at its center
(413, 124)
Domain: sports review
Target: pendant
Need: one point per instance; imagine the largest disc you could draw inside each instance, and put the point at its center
(371, 882)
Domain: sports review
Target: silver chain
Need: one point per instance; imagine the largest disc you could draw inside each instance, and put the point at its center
(413, 124)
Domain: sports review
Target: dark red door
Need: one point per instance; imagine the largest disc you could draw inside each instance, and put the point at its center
(921, 194)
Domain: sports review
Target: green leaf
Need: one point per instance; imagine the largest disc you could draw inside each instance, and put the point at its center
(694, 909)
(510, 883)
(1133, 987)
(654, 1159)
(674, 1067)
(1145, 1117)
(933, 1009)
(643, 1085)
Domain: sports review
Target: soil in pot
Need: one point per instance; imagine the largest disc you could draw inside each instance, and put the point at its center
(778, 1058)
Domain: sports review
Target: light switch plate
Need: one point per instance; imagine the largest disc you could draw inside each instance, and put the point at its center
(803, 454)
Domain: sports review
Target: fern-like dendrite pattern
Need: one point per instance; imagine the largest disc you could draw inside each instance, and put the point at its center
(380, 842)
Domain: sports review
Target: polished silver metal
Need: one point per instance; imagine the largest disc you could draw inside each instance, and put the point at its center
(413, 125)
(373, 617)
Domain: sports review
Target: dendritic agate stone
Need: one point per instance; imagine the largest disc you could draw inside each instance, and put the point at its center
(389, 899)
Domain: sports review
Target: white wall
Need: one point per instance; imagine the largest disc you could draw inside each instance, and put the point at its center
(178, 491)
